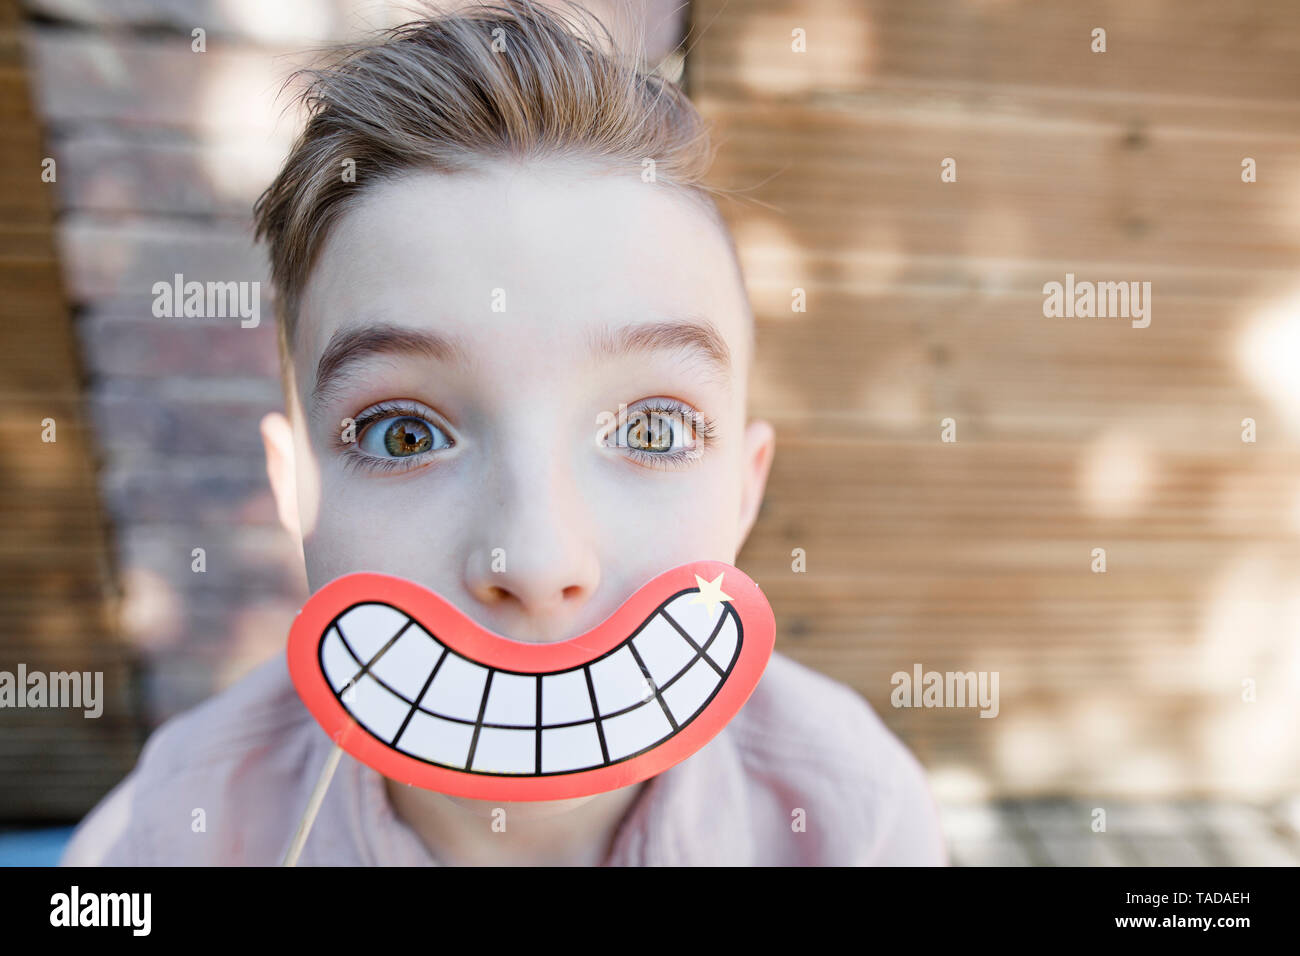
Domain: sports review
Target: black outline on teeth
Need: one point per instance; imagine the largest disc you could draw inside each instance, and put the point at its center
(701, 652)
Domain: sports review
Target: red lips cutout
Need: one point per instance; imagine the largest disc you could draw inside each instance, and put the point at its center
(441, 703)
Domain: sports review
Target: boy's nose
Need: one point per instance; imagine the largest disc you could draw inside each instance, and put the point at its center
(534, 565)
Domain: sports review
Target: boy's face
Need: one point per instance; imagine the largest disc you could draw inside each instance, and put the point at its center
(482, 330)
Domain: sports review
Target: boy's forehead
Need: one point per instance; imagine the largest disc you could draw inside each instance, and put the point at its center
(556, 254)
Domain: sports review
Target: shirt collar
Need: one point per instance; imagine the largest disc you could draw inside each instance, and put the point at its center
(693, 814)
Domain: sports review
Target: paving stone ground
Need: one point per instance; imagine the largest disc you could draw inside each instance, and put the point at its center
(1018, 833)
(1183, 833)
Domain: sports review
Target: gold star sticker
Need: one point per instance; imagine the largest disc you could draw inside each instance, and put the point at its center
(710, 594)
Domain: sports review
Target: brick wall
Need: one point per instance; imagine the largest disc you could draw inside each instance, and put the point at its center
(161, 153)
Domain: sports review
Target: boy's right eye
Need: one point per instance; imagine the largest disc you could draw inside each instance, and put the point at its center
(402, 437)
(395, 432)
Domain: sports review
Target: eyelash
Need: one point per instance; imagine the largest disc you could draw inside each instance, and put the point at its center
(705, 435)
(355, 458)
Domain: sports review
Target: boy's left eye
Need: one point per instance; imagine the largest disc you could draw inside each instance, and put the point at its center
(660, 433)
(402, 436)
(657, 432)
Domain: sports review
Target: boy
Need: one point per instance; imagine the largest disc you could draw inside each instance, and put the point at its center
(498, 276)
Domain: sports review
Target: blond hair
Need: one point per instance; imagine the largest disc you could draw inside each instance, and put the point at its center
(455, 90)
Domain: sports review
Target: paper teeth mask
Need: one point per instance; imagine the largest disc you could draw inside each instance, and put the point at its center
(409, 685)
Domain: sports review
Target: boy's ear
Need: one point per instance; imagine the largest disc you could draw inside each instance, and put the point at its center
(760, 446)
(277, 440)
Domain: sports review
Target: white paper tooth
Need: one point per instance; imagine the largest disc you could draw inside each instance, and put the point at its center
(691, 690)
(565, 698)
(505, 751)
(441, 741)
(406, 665)
(378, 710)
(340, 666)
(723, 648)
(694, 618)
(635, 730)
(664, 651)
(618, 681)
(457, 690)
(570, 748)
(512, 700)
(368, 627)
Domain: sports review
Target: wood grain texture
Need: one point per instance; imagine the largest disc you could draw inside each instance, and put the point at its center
(925, 302)
(57, 591)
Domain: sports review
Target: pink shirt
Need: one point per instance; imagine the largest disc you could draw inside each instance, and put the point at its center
(249, 756)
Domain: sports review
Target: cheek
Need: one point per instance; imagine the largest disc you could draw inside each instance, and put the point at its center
(373, 525)
(669, 519)
(307, 478)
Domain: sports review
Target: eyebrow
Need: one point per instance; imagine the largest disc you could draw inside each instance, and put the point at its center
(693, 334)
(348, 346)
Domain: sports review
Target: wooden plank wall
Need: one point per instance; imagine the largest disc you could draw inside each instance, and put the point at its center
(925, 302)
(57, 599)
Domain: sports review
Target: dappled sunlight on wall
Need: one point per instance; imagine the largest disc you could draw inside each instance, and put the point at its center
(1269, 351)
(1098, 526)
(1116, 474)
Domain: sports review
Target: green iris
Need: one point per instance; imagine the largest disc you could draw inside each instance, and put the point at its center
(651, 433)
(407, 436)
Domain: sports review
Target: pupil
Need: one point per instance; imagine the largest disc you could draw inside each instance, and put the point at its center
(652, 433)
(408, 437)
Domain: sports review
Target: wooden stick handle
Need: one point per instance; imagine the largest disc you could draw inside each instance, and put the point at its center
(313, 806)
